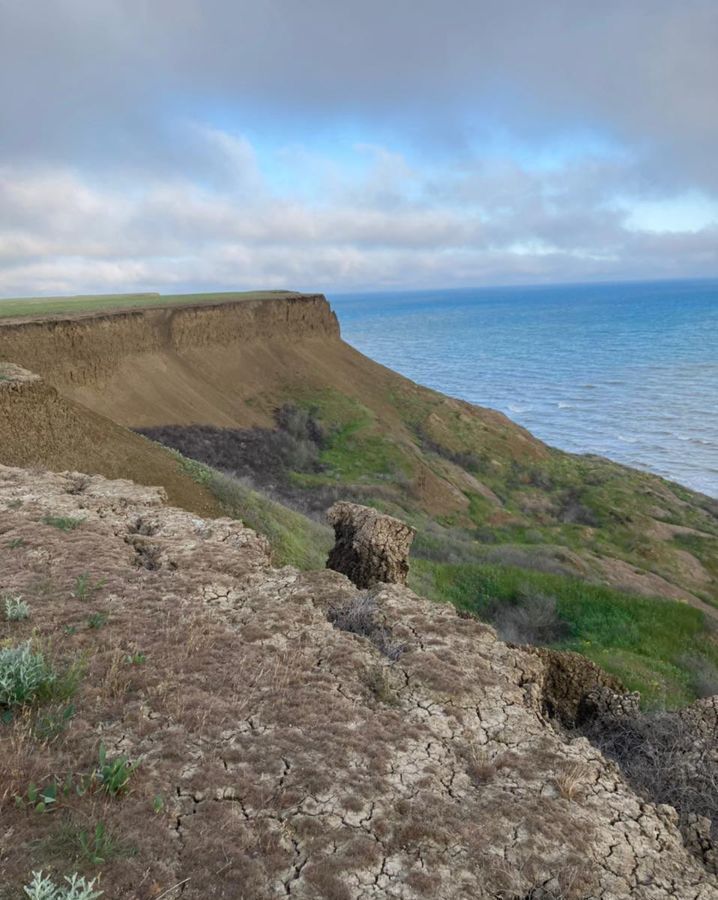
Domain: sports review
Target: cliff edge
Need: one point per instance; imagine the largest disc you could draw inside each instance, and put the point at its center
(277, 754)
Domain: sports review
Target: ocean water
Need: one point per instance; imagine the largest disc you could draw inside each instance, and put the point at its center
(629, 371)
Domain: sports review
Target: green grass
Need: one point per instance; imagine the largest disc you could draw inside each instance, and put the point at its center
(295, 539)
(643, 641)
(44, 306)
(63, 523)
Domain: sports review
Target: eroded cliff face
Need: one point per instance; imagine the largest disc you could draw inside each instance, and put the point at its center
(87, 350)
(291, 757)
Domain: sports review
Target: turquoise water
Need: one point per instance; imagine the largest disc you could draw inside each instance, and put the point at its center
(629, 371)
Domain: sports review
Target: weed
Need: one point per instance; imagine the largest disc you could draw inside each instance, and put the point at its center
(135, 659)
(97, 620)
(378, 683)
(15, 608)
(64, 523)
(42, 799)
(158, 803)
(77, 888)
(96, 846)
(50, 725)
(114, 774)
(15, 543)
(84, 587)
(14, 504)
(24, 675)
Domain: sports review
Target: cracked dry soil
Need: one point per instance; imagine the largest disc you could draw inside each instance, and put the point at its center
(280, 755)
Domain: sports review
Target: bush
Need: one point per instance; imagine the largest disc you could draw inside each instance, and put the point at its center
(532, 618)
(77, 888)
(24, 675)
(358, 616)
(15, 608)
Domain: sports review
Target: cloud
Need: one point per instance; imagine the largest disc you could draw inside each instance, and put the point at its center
(213, 143)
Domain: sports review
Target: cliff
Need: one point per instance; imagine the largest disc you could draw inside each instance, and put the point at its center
(263, 388)
(268, 752)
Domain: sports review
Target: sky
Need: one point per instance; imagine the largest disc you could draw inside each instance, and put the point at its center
(355, 144)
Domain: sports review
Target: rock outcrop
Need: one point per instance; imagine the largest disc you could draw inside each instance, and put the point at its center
(370, 548)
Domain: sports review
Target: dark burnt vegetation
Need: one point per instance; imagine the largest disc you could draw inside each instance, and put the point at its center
(263, 454)
(264, 458)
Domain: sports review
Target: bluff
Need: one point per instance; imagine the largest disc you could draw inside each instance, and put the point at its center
(264, 389)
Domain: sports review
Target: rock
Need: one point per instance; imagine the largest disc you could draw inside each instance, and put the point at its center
(369, 548)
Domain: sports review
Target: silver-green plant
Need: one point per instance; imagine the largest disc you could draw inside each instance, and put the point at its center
(23, 675)
(77, 888)
(15, 608)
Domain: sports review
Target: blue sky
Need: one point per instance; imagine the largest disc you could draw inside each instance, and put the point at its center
(180, 145)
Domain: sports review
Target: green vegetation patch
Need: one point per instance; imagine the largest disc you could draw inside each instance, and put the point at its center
(651, 645)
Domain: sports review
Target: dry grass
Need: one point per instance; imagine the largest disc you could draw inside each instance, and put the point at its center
(573, 781)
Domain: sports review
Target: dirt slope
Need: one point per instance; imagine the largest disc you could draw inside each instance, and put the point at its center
(41, 428)
(277, 754)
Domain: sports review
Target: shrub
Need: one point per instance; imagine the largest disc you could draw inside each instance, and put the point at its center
(358, 616)
(15, 608)
(77, 888)
(665, 759)
(532, 618)
(24, 675)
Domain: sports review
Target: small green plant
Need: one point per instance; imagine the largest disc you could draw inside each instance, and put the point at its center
(15, 543)
(84, 587)
(158, 803)
(114, 774)
(52, 724)
(135, 659)
(24, 675)
(96, 846)
(64, 523)
(42, 799)
(77, 888)
(70, 629)
(97, 620)
(14, 504)
(15, 608)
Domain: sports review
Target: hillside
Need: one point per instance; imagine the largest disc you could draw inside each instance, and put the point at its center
(587, 552)
(193, 722)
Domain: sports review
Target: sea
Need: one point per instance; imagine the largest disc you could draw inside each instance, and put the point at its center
(628, 371)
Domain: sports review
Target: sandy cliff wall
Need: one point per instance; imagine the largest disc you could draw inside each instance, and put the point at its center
(89, 350)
